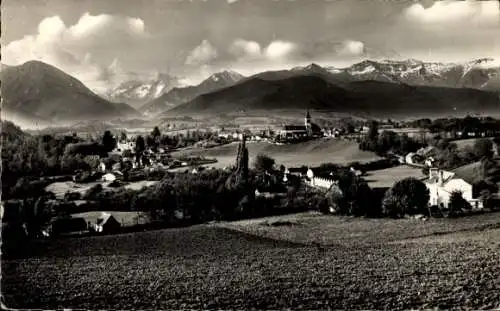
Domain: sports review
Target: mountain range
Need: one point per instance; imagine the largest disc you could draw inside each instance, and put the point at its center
(40, 93)
(180, 95)
(314, 91)
(138, 92)
(481, 74)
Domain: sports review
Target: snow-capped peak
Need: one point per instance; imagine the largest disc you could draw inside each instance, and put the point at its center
(146, 89)
(226, 76)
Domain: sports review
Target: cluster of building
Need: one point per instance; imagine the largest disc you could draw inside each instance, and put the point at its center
(300, 132)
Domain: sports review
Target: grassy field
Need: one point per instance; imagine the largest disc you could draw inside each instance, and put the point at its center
(60, 188)
(311, 153)
(314, 262)
(387, 177)
(462, 143)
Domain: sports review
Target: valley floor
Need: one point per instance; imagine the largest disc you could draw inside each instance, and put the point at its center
(306, 261)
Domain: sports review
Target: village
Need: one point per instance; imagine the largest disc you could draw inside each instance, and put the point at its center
(137, 163)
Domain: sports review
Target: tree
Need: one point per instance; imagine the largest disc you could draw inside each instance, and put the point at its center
(151, 142)
(496, 141)
(239, 178)
(123, 136)
(264, 163)
(372, 131)
(349, 128)
(140, 145)
(108, 141)
(483, 148)
(127, 153)
(457, 203)
(407, 197)
(351, 196)
(156, 132)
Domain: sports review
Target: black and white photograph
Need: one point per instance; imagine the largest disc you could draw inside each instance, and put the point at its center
(250, 155)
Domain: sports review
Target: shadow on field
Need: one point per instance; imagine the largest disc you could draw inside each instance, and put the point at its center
(187, 241)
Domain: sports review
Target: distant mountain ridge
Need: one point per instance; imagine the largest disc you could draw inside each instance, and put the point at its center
(180, 95)
(138, 92)
(317, 92)
(36, 91)
(482, 74)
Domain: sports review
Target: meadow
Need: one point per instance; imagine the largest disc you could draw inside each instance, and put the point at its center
(301, 261)
(61, 188)
(312, 153)
(386, 178)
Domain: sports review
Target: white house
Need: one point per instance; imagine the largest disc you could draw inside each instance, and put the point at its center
(109, 177)
(410, 158)
(442, 184)
(102, 167)
(429, 162)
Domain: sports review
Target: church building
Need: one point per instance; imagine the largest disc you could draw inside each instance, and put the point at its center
(308, 130)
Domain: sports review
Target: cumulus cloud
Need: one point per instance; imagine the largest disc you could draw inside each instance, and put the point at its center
(243, 49)
(250, 50)
(70, 48)
(448, 11)
(203, 54)
(279, 50)
(351, 48)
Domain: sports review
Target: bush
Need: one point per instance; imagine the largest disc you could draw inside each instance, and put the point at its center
(409, 196)
(457, 204)
(264, 163)
(483, 148)
(72, 196)
(93, 192)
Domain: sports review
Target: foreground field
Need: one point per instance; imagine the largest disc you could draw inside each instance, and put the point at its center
(311, 153)
(313, 262)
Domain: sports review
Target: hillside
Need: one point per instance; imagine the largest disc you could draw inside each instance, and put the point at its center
(180, 95)
(41, 91)
(314, 92)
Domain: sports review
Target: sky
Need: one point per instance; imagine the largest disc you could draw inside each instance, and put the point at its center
(105, 42)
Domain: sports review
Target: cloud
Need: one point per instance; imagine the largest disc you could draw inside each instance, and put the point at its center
(231, 1)
(73, 48)
(203, 54)
(247, 50)
(351, 48)
(277, 50)
(447, 11)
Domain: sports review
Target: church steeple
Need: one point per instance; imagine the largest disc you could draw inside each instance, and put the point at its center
(307, 123)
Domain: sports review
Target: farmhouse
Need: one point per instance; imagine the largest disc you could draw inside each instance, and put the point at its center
(106, 223)
(442, 184)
